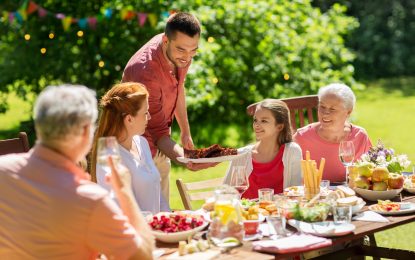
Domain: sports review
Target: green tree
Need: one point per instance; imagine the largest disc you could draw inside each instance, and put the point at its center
(385, 40)
(249, 50)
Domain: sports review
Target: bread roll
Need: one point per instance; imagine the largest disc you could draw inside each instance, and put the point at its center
(347, 191)
(263, 204)
(352, 200)
(340, 194)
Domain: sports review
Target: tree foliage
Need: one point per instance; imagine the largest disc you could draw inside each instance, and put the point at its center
(385, 40)
(249, 50)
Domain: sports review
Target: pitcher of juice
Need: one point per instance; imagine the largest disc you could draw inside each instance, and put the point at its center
(227, 216)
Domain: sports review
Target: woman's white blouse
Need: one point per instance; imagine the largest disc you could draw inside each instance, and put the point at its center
(145, 177)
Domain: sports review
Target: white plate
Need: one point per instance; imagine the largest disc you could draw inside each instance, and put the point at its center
(410, 209)
(358, 207)
(210, 160)
(410, 190)
(323, 229)
(294, 191)
(178, 236)
(377, 195)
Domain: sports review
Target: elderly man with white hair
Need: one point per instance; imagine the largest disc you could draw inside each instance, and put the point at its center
(322, 139)
(49, 208)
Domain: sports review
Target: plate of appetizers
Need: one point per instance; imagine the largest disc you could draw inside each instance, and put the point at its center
(386, 207)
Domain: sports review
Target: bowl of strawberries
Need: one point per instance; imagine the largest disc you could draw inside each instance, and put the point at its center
(177, 226)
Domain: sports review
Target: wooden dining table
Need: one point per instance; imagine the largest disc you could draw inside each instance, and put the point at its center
(359, 243)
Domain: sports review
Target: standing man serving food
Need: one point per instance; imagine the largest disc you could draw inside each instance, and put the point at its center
(161, 66)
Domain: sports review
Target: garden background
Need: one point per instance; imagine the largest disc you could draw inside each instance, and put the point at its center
(249, 50)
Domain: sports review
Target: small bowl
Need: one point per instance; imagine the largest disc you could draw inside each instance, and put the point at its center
(251, 226)
(377, 195)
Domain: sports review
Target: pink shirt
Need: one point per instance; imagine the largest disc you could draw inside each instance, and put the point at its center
(149, 67)
(309, 140)
(49, 210)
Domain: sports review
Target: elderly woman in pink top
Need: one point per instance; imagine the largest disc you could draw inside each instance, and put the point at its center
(322, 139)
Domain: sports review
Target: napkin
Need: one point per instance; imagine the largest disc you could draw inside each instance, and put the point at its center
(370, 216)
(294, 243)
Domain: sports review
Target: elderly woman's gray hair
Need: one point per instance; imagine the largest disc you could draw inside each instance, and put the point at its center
(341, 91)
(61, 111)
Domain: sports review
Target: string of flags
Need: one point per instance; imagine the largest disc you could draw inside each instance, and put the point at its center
(31, 8)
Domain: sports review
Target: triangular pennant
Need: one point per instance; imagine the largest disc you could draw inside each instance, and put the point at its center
(165, 14)
(130, 15)
(153, 19)
(108, 13)
(60, 16)
(22, 14)
(31, 8)
(142, 17)
(92, 22)
(123, 13)
(5, 15)
(24, 5)
(99, 18)
(82, 23)
(19, 18)
(11, 17)
(66, 22)
(41, 12)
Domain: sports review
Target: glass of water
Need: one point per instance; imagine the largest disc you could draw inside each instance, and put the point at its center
(342, 214)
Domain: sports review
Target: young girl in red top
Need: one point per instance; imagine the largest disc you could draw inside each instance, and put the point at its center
(274, 161)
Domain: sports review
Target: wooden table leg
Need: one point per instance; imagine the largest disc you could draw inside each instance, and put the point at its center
(372, 241)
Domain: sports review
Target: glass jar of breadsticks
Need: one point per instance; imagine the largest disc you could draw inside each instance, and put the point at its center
(312, 176)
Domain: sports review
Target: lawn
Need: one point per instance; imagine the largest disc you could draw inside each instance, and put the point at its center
(386, 109)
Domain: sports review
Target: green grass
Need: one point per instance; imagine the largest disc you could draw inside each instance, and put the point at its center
(386, 109)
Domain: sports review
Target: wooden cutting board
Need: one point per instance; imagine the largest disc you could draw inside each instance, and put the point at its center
(207, 255)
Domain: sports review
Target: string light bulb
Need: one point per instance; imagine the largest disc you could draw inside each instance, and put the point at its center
(51, 36)
(286, 76)
(80, 33)
(27, 36)
(101, 63)
(43, 50)
(211, 39)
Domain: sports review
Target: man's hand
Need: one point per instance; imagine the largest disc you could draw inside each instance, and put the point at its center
(187, 141)
(199, 166)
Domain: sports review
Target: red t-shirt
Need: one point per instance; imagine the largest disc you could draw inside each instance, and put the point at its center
(266, 175)
(148, 66)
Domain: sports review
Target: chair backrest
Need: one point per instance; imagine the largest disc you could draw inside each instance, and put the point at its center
(193, 191)
(303, 110)
(15, 145)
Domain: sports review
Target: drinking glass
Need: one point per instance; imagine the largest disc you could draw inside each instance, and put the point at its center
(342, 214)
(107, 146)
(265, 194)
(239, 179)
(346, 155)
(324, 186)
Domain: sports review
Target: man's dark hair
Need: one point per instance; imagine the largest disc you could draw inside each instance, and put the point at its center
(182, 22)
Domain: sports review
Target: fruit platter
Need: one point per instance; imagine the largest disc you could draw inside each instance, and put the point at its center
(174, 227)
(375, 183)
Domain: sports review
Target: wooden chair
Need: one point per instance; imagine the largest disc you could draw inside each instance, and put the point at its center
(303, 110)
(15, 145)
(193, 191)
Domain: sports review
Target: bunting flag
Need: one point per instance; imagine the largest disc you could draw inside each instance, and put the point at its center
(30, 7)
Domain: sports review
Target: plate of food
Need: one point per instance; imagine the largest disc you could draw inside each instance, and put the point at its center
(387, 207)
(211, 154)
(174, 227)
(323, 229)
(294, 191)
